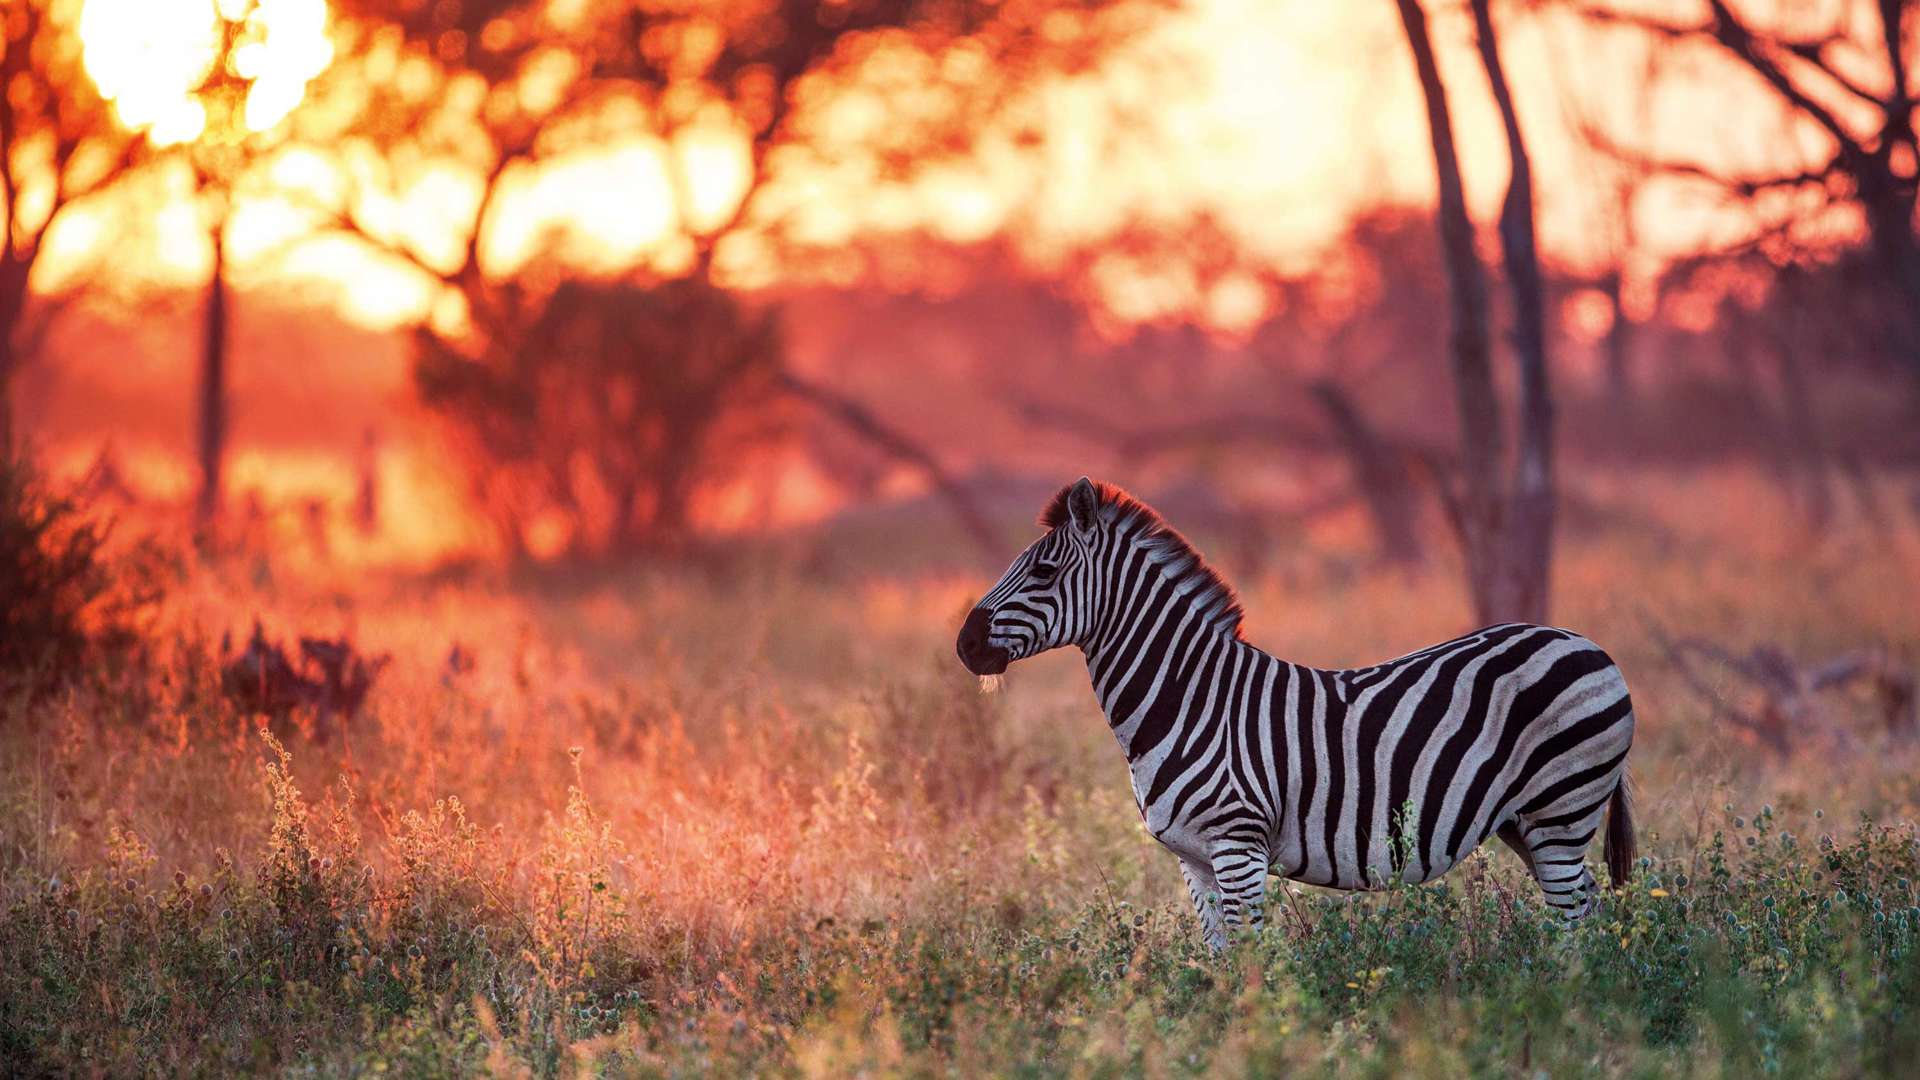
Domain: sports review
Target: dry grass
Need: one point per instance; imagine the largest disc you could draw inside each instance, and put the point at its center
(673, 823)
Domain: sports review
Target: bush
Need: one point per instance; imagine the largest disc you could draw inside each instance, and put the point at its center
(595, 422)
(63, 604)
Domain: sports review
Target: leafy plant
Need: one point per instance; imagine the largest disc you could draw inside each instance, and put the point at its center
(599, 415)
(63, 601)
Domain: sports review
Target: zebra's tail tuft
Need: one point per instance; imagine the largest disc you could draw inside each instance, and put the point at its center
(1619, 845)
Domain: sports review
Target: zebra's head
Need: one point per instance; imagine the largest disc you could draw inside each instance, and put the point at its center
(1101, 544)
(1045, 599)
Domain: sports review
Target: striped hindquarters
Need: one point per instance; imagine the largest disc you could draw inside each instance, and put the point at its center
(1398, 771)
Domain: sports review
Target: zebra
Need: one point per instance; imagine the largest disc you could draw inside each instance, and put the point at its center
(1244, 764)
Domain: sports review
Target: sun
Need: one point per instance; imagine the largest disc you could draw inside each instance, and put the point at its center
(152, 58)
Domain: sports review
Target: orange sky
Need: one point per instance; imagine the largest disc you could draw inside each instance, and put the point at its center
(1282, 118)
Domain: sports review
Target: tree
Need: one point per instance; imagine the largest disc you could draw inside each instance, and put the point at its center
(1504, 523)
(237, 134)
(1307, 380)
(59, 144)
(607, 426)
(1853, 83)
(506, 88)
(1621, 182)
(215, 122)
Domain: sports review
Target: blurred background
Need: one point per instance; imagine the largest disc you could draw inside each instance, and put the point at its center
(346, 284)
(511, 471)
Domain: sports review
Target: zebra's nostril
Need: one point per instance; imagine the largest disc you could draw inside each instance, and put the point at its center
(973, 633)
(975, 653)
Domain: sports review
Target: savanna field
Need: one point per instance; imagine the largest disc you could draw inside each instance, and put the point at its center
(750, 816)
(491, 492)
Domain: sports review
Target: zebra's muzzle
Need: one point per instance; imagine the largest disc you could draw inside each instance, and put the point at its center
(979, 657)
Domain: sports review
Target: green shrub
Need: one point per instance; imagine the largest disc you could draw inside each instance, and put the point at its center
(63, 603)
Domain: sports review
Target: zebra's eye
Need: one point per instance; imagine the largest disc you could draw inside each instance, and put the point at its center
(1043, 572)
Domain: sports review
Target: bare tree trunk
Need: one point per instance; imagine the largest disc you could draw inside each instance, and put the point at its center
(1619, 345)
(1813, 462)
(1379, 473)
(1898, 252)
(1506, 531)
(13, 307)
(213, 387)
(366, 501)
(7, 324)
(1891, 198)
(1738, 344)
(670, 526)
(1476, 513)
(1532, 505)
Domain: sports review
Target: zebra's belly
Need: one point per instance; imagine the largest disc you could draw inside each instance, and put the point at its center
(1378, 873)
(1182, 839)
(1176, 831)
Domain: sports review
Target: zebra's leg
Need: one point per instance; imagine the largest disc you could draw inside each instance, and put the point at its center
(1557, 856)
(1240, 870)
(1206, 903)
(1509, 835)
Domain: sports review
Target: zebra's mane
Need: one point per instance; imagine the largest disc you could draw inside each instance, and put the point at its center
(1182, 561)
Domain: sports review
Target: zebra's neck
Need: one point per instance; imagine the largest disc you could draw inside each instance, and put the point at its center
(1156, 652)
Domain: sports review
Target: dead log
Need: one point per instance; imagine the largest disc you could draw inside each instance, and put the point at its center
(1790, 702)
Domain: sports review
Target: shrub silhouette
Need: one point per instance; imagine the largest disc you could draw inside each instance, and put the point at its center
(603, 411)
(61, 600)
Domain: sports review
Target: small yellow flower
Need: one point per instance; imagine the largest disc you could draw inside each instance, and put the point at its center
(1353, 986)
(1623, 943)
(1657, 892)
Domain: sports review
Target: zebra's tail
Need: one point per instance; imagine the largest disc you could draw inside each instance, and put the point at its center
(1619, 845)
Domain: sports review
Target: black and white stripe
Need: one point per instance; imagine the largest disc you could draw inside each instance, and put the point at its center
(1245, 765)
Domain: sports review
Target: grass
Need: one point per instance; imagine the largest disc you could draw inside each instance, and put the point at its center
(673, 825)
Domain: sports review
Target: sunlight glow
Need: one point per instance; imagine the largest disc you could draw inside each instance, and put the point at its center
(145, 56)
(291, 50)
(152, 57)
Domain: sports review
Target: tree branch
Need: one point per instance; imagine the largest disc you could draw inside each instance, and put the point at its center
(1476, 401)
(1734, 36)
(1814, 53)
(862, 421)
(1135, 444)
(9, 190)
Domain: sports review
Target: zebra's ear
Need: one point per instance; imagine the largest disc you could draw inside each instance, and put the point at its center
(1083, 505)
